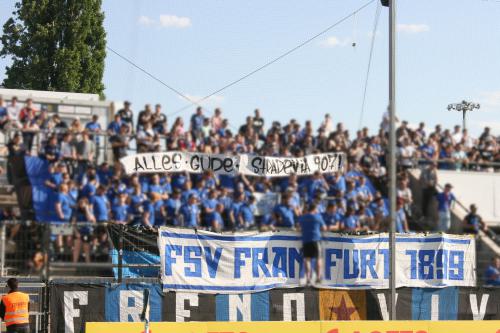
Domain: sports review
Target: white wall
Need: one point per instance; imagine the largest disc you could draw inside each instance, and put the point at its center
(480, 188)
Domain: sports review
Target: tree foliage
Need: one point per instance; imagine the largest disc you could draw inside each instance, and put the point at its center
(55, 45)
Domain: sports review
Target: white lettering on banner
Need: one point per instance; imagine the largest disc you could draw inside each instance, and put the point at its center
(201, 261)
(383, 305)
(231, 165)
(181, 313)
(70, 312)
(131, 305)
(478, 314)
(241, 304)
(435, 307)
(300, 307)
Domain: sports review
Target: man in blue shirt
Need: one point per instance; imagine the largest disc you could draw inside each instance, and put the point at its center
(100, 204)
(445, 200)
(172, 206)
(120, 209)
(247, 212)
(190, 213)
(311, 226)
(332, 217)
(492, 274)
(197, 123)
(284, 214)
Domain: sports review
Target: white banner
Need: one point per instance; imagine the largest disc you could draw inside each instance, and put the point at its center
(251, 165)
(202, 261)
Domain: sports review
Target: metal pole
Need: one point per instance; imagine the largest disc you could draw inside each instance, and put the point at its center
(463, 119)
(2, 248)
(392, 153)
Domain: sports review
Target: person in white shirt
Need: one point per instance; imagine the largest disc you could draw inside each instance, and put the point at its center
(13, 111)
(457, 134)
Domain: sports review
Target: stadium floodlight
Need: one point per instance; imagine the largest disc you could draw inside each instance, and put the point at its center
(385, 3)
(463, 107)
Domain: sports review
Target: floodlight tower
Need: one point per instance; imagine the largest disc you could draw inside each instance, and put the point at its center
(464, 107)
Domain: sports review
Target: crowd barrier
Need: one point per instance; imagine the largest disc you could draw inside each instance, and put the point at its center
(301, 327)
(73, 305)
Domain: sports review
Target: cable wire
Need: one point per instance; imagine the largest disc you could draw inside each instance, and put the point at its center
(269, 63)
(370, 57)
(153, 77)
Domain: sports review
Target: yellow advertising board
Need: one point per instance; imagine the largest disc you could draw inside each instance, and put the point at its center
(303, 327)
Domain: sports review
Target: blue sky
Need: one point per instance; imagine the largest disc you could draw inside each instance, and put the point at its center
(447, 50)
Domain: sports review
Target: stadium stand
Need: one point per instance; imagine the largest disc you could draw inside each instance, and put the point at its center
(67, 166)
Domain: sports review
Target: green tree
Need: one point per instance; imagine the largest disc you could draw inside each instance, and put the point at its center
(55, 45)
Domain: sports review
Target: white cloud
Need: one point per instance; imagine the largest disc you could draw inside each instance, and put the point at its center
(172, 21)
(214, 100)
(413, 28)
(165, 21)
(334, 41)
(145, 21)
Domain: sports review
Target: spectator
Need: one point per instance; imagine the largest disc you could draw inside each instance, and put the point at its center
(13, 111)
(159, 121)
(4, 116)
(83, 232)
(127, 115)
(120, 209)
(85, 153)
(190, 212)
(311, 226)
(216, 120)
(332, 217)
(473, 222)
(94, 129)
(284, 214)
(445, 201)
(492, 274)
(428, 181)
(120, 143)
(401, 221)
(197, 123)
(258, 122)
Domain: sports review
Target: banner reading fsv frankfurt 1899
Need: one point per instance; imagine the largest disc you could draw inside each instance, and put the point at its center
(251, 165)
(201, 261)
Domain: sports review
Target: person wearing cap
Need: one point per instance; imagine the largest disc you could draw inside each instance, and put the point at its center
(445, 201)
(14, 309)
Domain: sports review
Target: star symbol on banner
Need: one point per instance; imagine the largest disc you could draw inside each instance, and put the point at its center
(342, 311)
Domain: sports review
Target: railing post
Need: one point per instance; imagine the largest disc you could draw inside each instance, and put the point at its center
(46, 247)
(120, 254)
(3, 237)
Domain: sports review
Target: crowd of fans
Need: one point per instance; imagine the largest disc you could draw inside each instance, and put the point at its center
(349, 201)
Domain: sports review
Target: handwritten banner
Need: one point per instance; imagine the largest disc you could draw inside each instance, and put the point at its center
(251, 165)
(207, 262)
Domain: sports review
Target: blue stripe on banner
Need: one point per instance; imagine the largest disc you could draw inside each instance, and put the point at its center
(259, 307)
(298, 238)
(220, 288)
(222, 307)
(124, 302)
(445, 302)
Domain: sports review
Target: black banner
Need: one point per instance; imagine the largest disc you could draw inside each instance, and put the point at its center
(73, 305)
